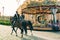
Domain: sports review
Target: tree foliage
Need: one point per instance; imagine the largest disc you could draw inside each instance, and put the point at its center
(34, 3)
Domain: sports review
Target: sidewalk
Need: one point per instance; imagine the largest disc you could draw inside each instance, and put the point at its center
(37, 35)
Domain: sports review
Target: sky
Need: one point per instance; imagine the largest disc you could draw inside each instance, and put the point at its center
(10, 6)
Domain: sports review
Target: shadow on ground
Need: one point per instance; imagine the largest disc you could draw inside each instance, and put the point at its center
(31, 38)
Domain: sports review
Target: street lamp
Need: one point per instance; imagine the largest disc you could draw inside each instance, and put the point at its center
(54, 11)
(3, 10)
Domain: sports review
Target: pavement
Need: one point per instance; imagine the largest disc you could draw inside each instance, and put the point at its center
(37, 35)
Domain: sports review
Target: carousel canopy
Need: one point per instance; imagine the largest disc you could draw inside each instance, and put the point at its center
(41, 9)
(36, 7)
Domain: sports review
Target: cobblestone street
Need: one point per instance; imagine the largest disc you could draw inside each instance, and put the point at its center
(37, 35)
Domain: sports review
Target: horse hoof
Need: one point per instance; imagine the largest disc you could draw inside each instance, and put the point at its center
(21, 36)
(16, 35)
(11, 33)
(32, 34)
(26, 34)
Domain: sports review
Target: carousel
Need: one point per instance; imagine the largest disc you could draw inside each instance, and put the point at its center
(43, 15)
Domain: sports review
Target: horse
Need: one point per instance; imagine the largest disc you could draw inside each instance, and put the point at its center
(16, 24)
(22, 25)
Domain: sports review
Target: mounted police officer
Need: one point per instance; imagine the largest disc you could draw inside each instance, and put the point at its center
(22, 16)
(16, 17)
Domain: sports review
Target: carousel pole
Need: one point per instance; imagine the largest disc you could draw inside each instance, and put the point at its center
(54, 11)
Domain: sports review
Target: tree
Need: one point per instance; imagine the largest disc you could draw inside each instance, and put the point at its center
(48, 2)
(34, 3)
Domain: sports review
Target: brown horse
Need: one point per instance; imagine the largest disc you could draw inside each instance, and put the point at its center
(22, 25)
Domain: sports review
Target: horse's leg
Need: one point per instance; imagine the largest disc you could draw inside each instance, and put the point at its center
(16, 31)
(14, 23)
(21, 33)
(12, 31)
(25, 31)
(31, 28)
(31, 32)
(12, 27)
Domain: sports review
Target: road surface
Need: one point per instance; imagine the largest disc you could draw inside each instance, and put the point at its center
(37, 35)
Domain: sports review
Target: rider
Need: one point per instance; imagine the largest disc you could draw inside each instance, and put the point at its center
(22, 15)
(16, 17)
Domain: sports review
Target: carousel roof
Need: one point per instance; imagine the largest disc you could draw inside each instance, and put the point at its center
(41, 9)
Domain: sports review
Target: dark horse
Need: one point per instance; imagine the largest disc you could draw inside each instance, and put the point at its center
(22, 25)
